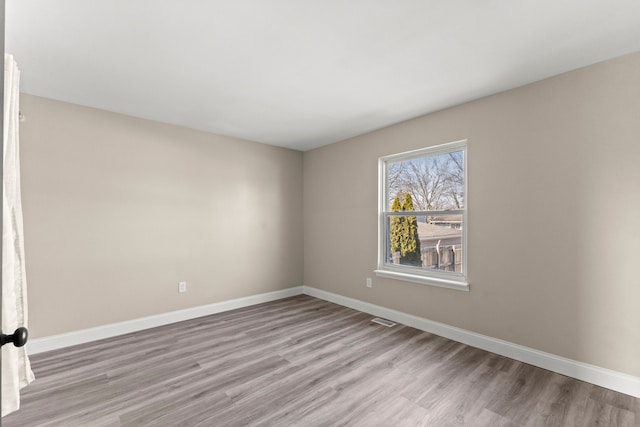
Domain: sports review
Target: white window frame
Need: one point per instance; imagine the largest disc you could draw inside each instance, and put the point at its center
(445, 279)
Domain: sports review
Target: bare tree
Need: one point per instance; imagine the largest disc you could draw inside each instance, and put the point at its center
(395, 180)
(455, 179)
(434, 183)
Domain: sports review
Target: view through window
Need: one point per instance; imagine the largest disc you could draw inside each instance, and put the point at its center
(423, 215)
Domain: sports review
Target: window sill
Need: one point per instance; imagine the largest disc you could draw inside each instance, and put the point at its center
(424, 280)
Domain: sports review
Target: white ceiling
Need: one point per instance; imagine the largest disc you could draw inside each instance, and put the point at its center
(303, 73)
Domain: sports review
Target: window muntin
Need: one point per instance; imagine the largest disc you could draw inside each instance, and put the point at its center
(429, 244)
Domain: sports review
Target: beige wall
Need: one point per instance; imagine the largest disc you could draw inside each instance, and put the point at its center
(118, 210)
(554, 208)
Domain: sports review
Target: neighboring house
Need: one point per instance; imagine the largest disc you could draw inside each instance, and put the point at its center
(430, 234)
(440, 244)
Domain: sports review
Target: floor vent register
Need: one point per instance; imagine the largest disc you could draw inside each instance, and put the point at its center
(383, 322)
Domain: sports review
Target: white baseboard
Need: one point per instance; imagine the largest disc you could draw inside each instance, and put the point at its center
(55, 342)
(602, 377)
(607, 378)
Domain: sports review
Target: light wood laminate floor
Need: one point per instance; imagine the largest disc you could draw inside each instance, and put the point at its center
(301, 361)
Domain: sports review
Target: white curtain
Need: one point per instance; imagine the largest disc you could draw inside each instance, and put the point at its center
(16, 370)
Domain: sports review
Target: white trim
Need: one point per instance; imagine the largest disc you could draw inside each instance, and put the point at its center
(424, 280)
(433, 150)
(459, 281)
(55, 342)
(607, 378)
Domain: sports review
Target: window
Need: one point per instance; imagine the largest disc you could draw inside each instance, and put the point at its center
(423, 216)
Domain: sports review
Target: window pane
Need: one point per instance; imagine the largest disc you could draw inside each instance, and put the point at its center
(431, 242)
(434, 182)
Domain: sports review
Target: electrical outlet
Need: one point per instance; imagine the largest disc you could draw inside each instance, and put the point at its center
(369, 282)
(182, 287)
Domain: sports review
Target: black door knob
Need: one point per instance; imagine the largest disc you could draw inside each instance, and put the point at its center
(18, 338)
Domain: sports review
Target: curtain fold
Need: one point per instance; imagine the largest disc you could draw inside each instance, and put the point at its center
(16, 370)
